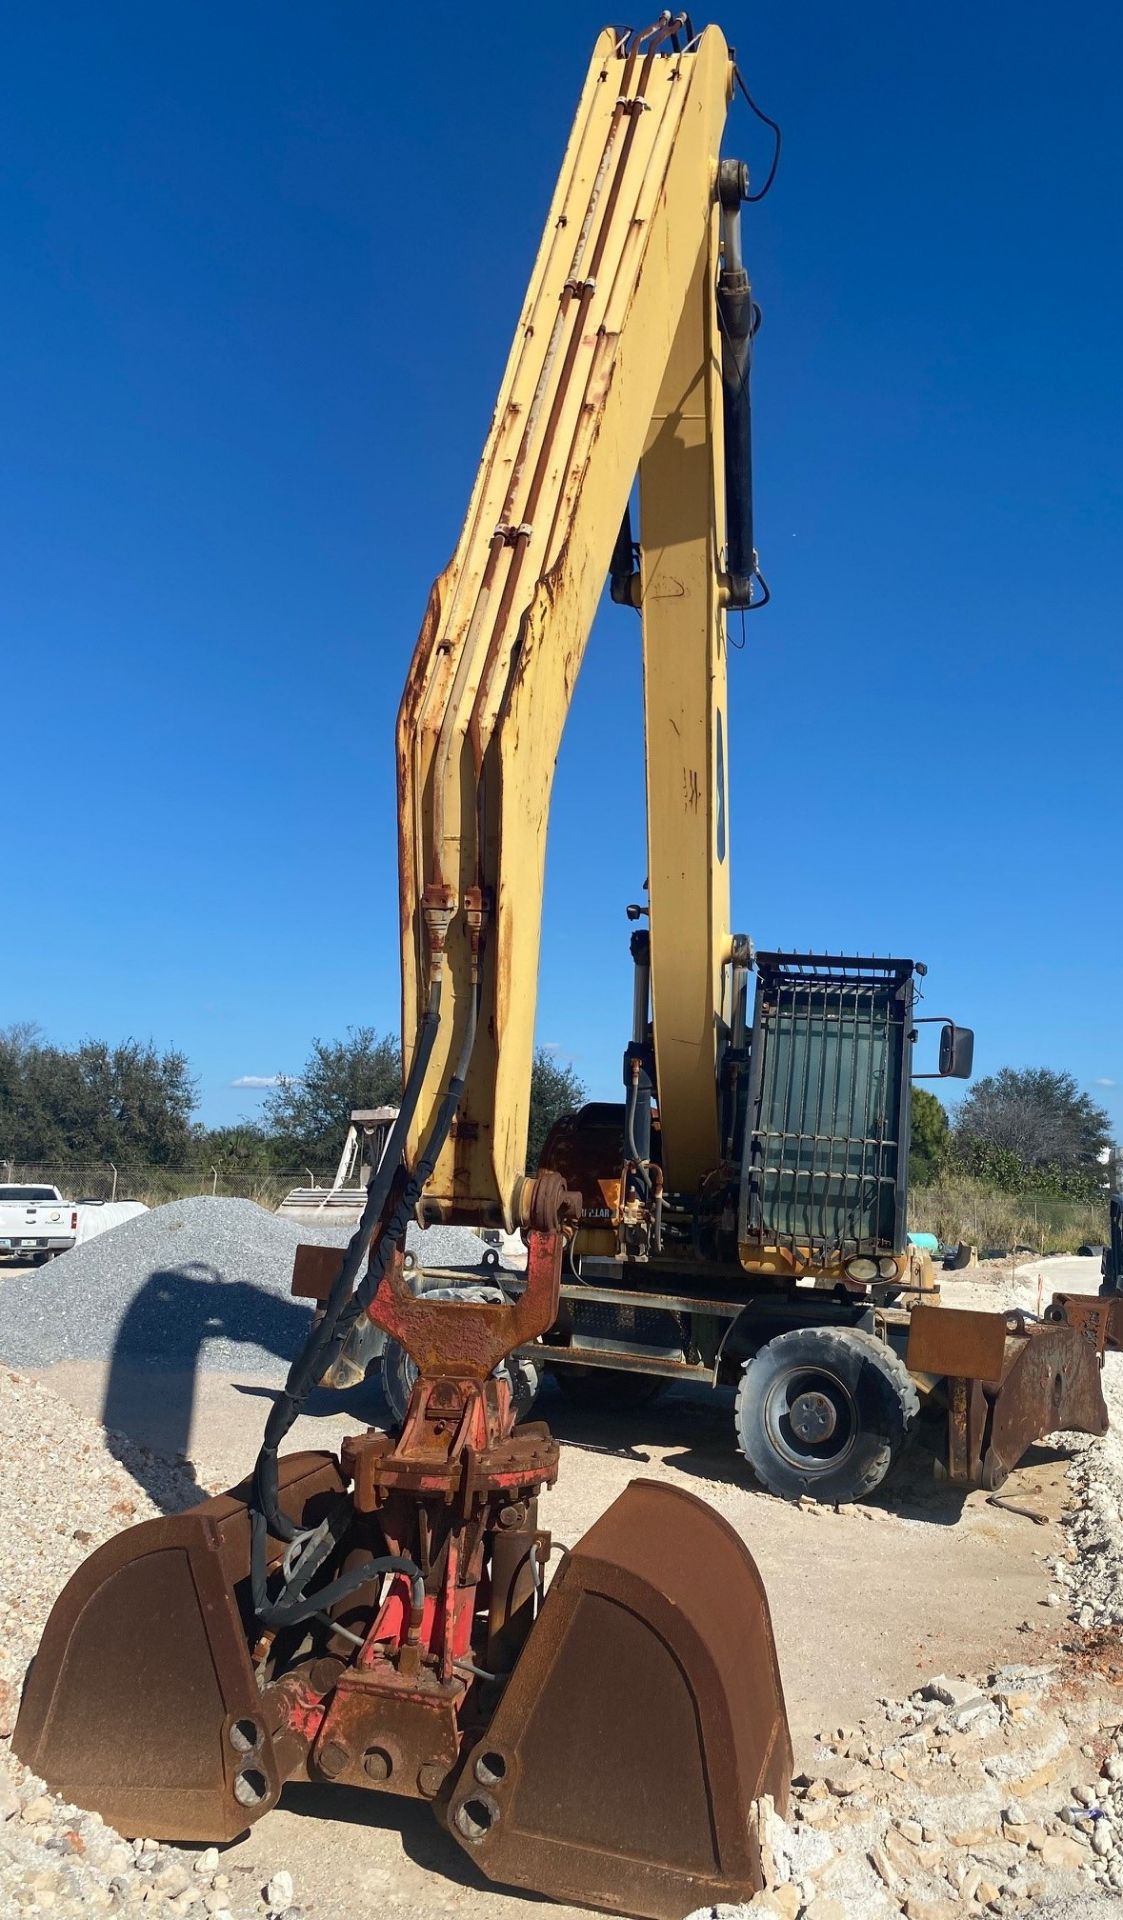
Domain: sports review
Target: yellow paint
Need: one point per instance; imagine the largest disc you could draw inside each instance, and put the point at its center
(613, 317)
(681, 502)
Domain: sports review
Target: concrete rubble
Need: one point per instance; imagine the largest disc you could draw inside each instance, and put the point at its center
(1001, 1794)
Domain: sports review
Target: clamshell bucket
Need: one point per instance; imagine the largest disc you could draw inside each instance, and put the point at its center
(643, 1721)
(141, 1702)
(606, 1740)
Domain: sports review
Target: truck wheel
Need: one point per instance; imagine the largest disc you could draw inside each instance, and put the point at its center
(824, 1411)
(607, 1389)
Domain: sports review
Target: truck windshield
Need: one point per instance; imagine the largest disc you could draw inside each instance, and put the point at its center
(26, 1193)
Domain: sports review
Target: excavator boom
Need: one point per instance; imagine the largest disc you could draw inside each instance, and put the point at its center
(384, 1621)
(615, 369)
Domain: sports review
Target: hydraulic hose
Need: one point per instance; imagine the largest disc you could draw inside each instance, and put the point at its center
(294, 1606)
(344, 1307)
(406, 1204)
(630, 1133)
(325, 1341)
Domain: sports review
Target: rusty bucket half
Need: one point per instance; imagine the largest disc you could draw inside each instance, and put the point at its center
(142, 1701)
(644, 1719)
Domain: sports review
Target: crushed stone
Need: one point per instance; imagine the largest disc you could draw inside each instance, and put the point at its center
(1092, 1581)
(65, 1487)
(197, 1282)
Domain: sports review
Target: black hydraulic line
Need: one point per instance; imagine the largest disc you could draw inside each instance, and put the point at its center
(405, 1206)
(423, 1167)
(630, 1114)
(294, 1605)
(777, 138)
(265, 1515)
(325, 1342)
(737, 319)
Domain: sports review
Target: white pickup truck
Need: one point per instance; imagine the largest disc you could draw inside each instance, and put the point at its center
(36, 1223)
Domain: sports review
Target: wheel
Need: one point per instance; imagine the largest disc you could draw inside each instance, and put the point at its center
(41, 1259)
(399, 1371)
(607, 1389)
(824, 1411)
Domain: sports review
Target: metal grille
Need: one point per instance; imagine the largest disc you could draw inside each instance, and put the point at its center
(823, 1165)
(639, 1329)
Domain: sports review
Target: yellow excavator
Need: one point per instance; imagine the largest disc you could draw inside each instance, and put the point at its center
(384, 1618)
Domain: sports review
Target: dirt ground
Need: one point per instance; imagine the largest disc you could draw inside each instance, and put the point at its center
(866, 1603)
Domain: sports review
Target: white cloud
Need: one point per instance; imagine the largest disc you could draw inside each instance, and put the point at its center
(1105, 1081)
(259, 1080)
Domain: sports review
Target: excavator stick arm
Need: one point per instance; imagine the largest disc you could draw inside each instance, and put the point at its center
(592, 389)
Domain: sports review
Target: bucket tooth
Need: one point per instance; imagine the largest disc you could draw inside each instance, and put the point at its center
(141, 1703)
(643, 1720)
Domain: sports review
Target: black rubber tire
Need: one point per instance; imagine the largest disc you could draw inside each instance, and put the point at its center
(874, 1401)
(607, 1389)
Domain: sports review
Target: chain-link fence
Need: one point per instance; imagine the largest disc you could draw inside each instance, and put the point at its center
(153, 1185)
(965, 1210)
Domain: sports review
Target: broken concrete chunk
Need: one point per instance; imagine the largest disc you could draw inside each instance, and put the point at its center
(1060, 1851)
(883, 1867)
(949, 1692)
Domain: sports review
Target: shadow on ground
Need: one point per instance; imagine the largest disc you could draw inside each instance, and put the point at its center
(156, 1358)
(161, 1345)
(424, 1839)
(690, 1428)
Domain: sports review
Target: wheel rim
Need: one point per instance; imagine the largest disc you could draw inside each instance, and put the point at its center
(811, 1419)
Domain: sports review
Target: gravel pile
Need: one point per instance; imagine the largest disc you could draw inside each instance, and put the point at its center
(203, 1281)
(1092, 1580)
(62, 1493)
(969, 1798)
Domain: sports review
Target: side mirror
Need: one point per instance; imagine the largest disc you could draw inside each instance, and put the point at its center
(957, 1051)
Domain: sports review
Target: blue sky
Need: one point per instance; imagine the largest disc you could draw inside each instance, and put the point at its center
(262, 263)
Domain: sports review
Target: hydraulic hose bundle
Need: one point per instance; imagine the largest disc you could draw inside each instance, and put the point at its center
(391, 1212)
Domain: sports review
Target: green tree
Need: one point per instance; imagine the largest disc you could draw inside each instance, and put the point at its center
(929, 1139)
(554, 1090)
(308, 1115)
(1037, 1117)
(244, 1148)
(129, 1103)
